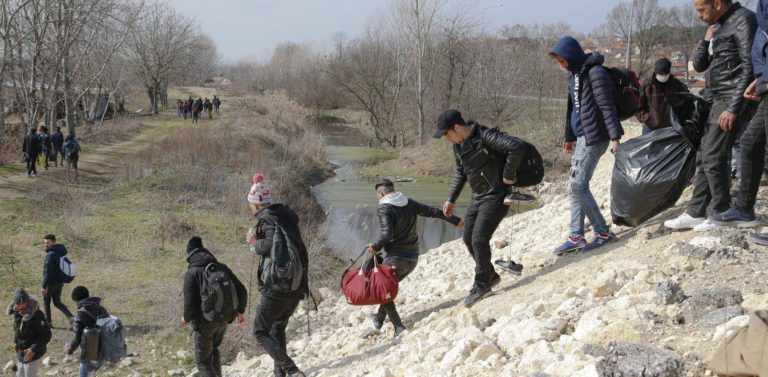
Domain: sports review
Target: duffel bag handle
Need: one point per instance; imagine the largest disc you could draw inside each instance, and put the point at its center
(375, 263)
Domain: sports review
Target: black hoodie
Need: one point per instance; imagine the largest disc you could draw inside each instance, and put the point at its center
(267, 218)
(30, 330)
(84, 321)
(198, 259)
(51, 273)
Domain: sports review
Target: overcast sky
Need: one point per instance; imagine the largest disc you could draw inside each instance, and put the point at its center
(252, 28)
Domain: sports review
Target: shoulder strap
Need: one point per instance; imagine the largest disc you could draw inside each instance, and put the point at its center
(87, 313)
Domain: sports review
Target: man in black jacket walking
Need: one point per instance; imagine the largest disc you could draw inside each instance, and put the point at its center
(89, 310)
(208, 335)
(725, 54)
(53, 283)
(277, 304)
(57, 140)
(31, 333)
(400, 240)
(31, 150)
(488, 159)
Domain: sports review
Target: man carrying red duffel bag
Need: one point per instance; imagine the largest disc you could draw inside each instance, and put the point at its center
(400, 241)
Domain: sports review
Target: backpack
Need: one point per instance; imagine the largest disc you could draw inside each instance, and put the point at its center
(531, 169)
(218, 294)
(105, 342)
(66, 270)
(626, 91)
(73, 150)
(282, 271)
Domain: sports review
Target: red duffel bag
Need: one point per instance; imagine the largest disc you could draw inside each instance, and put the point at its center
(372, 287)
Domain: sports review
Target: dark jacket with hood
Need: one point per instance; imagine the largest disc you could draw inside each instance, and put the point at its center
(51, 273)
(57, 139)
(591, 111)
(198, 259)
(654, 101)
(88, 311)
(485, 159)
(267, 220)
(31, 145)
(729, 67)
(397, 216)
(30, 330)
(760, 48)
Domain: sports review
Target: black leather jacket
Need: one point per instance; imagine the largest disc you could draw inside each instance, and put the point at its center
(485, 159)
(398, 227)
(729, 68)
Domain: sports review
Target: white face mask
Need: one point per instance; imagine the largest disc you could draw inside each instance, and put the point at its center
(662, 78)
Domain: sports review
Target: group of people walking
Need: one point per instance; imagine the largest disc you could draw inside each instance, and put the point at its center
(40, 143)
(194, 109)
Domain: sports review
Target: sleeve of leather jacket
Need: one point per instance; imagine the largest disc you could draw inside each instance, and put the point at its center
(642, 116)
(568, 132)
(512, 148)
(745, 35)
(79, 329)
(701, 57)
(191, 296)
(459, 180)
(602, 90)
(43, 333)
(386, 219)
(264, 243)
(427, 211)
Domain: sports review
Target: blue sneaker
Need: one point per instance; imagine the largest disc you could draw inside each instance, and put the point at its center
(600, 240)
(734, 217)
(571, 244)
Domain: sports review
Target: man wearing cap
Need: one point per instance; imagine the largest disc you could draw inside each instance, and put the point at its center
(400, 240)
(276, 306)
(31, 333)
(654, 98)
(476, 148)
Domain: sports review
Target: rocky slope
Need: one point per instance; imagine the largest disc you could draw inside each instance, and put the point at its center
(655, 303)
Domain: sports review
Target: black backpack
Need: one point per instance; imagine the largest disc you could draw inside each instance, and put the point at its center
(626, 91)
(531, 169)
(218, 294)
(282, 271)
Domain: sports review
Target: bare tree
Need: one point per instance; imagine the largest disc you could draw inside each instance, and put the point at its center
(11, 37)
(643, 19)
(687, 31)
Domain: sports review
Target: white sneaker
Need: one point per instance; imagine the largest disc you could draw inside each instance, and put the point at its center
(706, 226)
(684, 221)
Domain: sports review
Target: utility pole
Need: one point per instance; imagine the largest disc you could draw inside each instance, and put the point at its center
(628, 62)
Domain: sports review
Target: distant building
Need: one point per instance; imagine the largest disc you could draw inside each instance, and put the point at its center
(220, 82)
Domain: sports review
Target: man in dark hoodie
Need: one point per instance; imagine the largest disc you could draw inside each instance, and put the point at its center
(89, 310)
(277, 305)
(53, 283)
(31, 333)
(31, 150)
(654, 97)
(725, 54)
(591, 127)
(488, 159)
(57, 139)
(753, 141)
(208, 335)
(400, 240)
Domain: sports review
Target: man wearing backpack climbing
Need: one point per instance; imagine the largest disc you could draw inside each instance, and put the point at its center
(85, 330)
(72, 154)
(54, 277)
(400, 240)
(31, 333)
(213, 298)
(725, 54)
(490, 161)
(654, 97)
(592, 126)
(283, 279)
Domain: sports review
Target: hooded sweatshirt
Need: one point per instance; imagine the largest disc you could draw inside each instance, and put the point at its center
(88, 311)
(51, 273)
(570, 50)
(31, 331)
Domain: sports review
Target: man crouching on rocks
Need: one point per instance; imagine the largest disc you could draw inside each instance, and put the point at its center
(400, 240)
(488, 159)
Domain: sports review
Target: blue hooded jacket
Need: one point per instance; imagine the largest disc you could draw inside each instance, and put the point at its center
(591, 110)
(51, 273)
(760, 45)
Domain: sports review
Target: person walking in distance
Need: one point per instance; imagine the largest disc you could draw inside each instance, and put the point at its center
(72, 154)
(31, 150)
(31, 333)
(655, 94)
(53, 278)
(57, 140)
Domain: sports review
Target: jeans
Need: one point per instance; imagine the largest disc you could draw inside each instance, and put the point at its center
(583, 204)
(30, 369)
(403, 268)
(54, 292)
(752, 159)
(272, 317)
(32, 164)
(712, 181)
(208, 338)
(481, 221)
(88, 367)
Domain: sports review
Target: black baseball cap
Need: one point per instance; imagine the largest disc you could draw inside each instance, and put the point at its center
(446, 121)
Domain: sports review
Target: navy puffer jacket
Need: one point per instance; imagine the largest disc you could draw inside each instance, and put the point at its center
(599, 120)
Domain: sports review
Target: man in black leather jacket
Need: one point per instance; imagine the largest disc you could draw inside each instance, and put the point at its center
(725, 53)
(488, 159)
(399, 238)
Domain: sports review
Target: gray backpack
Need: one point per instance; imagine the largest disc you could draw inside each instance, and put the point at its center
(106, 341)
(282, 270)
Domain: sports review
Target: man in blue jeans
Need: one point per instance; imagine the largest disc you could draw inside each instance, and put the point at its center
(591, 127)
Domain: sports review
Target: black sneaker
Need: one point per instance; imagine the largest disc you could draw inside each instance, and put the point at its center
(510, 266)
(399, 329)
(478, 293)
(377, 323)
(516, 196)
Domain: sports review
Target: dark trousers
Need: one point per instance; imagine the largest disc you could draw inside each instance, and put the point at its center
(272, 317)
(32, 164)
(752, 159)
(208, 338)
(54, 292)
(403, 268)
(712, 182)
(481, 221)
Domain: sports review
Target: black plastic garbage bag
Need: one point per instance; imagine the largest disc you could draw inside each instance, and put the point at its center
(651, 171)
